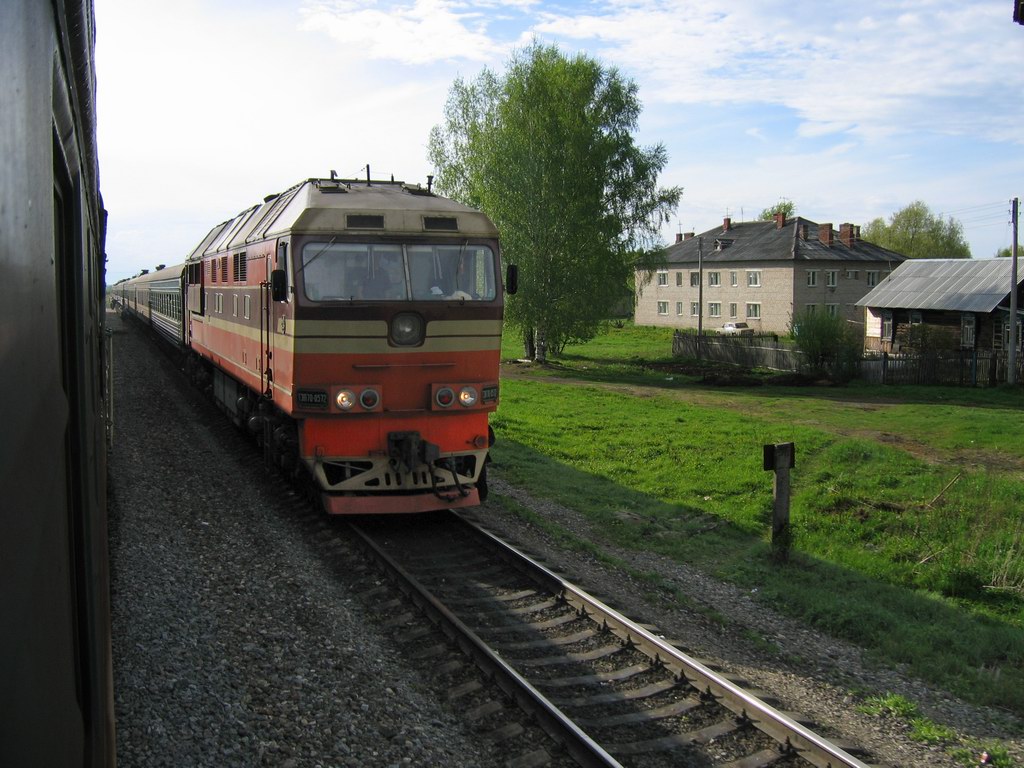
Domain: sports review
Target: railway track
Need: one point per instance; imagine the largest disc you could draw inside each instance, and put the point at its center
(607, 690)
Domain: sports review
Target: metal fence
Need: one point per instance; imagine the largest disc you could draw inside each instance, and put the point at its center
(965, 368)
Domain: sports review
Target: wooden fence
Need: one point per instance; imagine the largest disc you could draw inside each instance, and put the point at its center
(966, 368)
(963, 368)
(748, 351)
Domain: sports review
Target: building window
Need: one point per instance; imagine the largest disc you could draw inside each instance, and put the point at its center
(754, 311)
(694, 309)
(714, 309)
(886, 324)
(832, 310)
(810, 309)
(915, 317)
(662, 278)
(219, 300)
(754, 279)
(732, 309)
(679, 308)
(831, 278)
(695, 279)
(872, 278)
(852, 274)
(733, 279)
(234, 305)
(247, 306)
(679, 279)
(714, 278)
(812, 278)
(967, 326)
(662, 307)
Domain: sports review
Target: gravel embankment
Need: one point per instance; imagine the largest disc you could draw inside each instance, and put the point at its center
(233, 645)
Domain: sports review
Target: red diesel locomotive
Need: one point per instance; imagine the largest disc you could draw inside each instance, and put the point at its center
(355, 327)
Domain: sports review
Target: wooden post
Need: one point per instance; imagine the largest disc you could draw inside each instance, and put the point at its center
(780, 458)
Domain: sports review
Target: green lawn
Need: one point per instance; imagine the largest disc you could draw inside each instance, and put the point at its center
(908, 503)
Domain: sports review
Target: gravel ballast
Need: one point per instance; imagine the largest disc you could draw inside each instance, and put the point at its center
(232, 645)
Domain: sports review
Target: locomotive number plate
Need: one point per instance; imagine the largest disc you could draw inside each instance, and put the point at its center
(312, 398)
(489, 394)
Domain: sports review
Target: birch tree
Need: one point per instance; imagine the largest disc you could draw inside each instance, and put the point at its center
(547, 151)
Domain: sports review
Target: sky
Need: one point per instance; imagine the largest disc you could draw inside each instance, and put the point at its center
(849, 110)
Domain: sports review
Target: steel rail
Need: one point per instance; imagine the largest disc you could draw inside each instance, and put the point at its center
(555, 723)
(779, 726)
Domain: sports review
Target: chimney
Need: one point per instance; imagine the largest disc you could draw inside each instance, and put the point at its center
(726, 224)
(780, 220)
(687, 235)
(848, 234)
(825, 234)
(679, 237)
(803, 231)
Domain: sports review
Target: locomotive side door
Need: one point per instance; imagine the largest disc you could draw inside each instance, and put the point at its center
(274, 295)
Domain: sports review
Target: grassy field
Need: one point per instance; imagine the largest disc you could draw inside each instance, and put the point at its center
(907, 510)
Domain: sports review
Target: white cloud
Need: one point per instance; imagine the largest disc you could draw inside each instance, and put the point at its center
(844, 68)
(422, 32)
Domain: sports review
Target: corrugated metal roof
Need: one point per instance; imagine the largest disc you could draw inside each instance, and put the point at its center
(964, 285)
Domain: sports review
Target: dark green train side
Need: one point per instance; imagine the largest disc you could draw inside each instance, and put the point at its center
(56, 702)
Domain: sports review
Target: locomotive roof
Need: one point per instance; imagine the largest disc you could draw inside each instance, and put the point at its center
(345, 205)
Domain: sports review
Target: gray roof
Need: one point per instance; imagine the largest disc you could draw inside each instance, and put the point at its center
(964, 285)
(798, 239)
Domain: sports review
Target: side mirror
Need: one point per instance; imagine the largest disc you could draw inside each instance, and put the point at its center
(278, 285)
(511, 279)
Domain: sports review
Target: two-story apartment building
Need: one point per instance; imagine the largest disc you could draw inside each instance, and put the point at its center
(761, 273)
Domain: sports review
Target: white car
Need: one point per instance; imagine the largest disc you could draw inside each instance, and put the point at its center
(737, 329)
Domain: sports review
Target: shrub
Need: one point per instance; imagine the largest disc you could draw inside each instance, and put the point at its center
(829, 344)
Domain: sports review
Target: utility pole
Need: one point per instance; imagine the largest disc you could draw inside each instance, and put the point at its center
(700, 293)
(1011, 373)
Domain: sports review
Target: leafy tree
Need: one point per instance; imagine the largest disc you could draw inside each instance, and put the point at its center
(1007, 252)
(546, 150)
(787, 207)
(830, 345)
(917, 233)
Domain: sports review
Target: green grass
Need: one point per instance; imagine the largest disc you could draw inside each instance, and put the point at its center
(907, 504)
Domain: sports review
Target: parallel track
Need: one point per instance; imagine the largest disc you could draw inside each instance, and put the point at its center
(606, 689)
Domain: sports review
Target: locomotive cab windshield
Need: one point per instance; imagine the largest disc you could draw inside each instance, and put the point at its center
(334, 271)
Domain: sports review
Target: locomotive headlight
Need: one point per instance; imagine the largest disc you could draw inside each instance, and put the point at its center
(345, 399)
(369, 398)
(467, 396)
(445, 397)
(407, 329)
